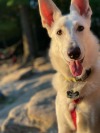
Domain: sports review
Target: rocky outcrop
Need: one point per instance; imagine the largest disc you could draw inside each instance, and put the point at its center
(41, 110)
(33, 109)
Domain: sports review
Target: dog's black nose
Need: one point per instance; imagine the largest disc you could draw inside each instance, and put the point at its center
(74, 53)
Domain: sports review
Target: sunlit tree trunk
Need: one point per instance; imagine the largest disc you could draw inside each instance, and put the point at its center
(29, 43)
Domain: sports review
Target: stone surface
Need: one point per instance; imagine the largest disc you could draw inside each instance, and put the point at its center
(30, 106)
(41, 110)
(36, 116)
(18, 122)
(42, 64)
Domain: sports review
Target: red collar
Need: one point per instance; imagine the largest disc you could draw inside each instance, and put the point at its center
(73, 112)
(77, 101)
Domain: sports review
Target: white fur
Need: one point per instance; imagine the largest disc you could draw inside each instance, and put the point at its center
(88, 111)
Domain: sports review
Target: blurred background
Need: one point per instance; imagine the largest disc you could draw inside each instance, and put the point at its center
(21, 33)
(24, 65)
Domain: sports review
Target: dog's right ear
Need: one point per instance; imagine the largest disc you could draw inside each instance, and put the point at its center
(49, 13)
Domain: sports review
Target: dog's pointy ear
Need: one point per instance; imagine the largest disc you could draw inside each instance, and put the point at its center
(82, 7)
(49, 13)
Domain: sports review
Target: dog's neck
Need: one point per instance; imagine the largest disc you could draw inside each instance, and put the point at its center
(82, 78)
(75, 94)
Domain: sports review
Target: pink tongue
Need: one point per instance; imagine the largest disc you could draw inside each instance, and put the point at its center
(76, 68)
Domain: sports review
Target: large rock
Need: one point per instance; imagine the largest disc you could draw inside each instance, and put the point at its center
(41, 110)
(32, 108)
(36, 116)
(18, 122)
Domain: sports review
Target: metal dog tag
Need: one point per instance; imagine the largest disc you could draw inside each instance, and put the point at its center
(71, 94)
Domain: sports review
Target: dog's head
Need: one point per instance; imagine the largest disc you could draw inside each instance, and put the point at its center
(71, 36)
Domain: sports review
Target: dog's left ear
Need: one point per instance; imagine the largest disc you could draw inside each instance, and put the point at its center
(82, 7)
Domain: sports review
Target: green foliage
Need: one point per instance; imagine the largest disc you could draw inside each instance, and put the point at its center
(8, 29)
(9, 26)
(13, 2)
(17, 2)
(95, 4)
(10, 3)
(63, 5)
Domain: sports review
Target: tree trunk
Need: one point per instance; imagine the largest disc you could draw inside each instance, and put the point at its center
(29, 46)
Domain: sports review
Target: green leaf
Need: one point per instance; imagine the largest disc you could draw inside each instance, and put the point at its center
(10, 2)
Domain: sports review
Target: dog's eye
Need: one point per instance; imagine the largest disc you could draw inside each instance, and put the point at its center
(59, 32)
(80, 28)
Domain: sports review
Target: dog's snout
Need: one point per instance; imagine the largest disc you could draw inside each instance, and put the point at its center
(74, 53)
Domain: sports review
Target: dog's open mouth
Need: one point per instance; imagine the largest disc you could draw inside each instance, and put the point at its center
(76, 67)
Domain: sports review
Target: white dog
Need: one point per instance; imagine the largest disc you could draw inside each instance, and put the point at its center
(74, 55)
